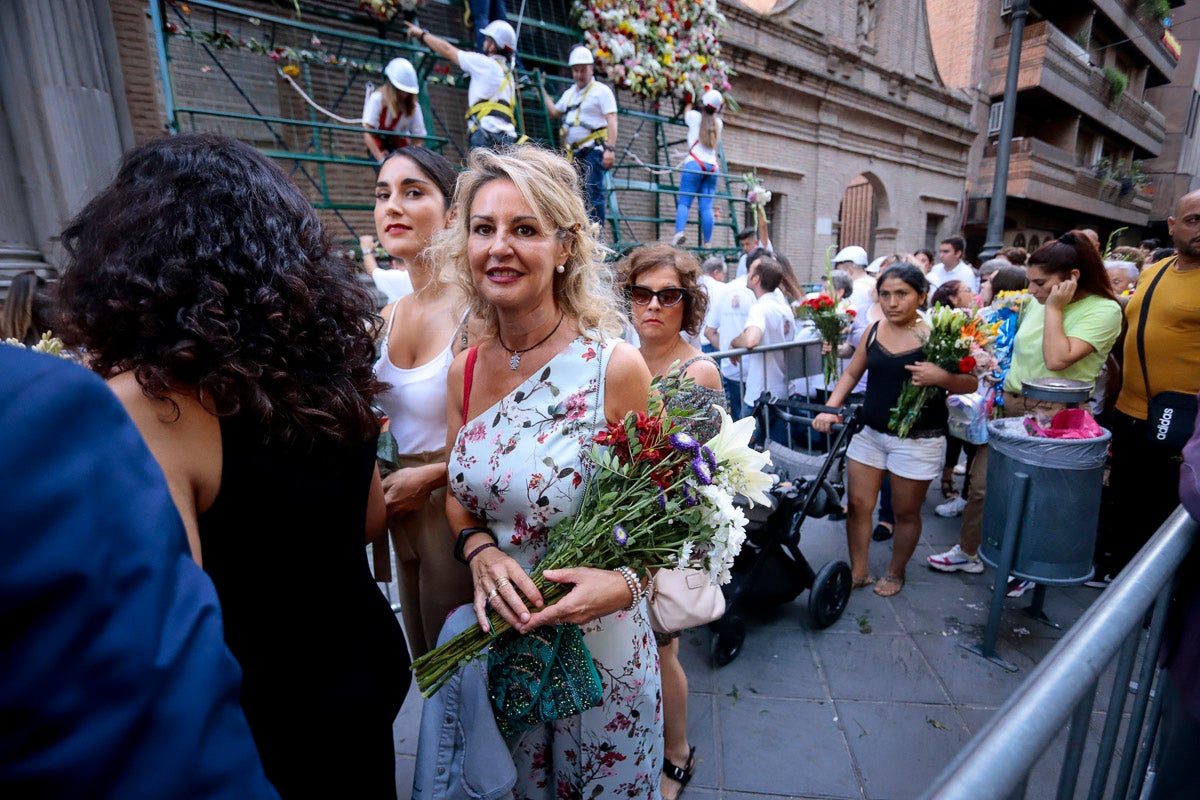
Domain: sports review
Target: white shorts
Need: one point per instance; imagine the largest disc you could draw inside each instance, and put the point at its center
(915, 459)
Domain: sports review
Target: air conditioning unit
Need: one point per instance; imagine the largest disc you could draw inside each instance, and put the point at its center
(1006, 8)
(995, 117)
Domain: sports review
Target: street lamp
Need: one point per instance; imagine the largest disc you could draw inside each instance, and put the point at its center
(995, 229)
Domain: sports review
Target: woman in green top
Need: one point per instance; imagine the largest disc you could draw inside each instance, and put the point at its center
(1067, 333)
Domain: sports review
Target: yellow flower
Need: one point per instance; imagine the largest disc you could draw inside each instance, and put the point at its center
(292, 71)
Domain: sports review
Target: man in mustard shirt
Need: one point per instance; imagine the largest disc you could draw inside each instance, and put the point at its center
(1144, 481)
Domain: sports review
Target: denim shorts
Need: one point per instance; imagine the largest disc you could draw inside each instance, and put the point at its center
(914, 459)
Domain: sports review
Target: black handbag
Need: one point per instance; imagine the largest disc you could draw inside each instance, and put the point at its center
(541, 676)
(1171, 416)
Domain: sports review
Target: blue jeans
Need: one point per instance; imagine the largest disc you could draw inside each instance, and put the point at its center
(696, 181)
(483, 12)
(493, 141)
(733, 394)
(591, 172)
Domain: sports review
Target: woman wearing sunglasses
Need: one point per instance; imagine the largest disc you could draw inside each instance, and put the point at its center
(666, 299)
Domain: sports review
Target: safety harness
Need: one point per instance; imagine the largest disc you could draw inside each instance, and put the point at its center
(496, 106)
(594, 134)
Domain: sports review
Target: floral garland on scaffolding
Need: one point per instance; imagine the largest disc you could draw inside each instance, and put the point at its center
(657, 47)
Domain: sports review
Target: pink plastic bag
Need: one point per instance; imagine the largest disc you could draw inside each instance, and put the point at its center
(1070, 423)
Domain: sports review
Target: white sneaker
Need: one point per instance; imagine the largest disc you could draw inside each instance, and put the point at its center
(955, 560)
(951, 508)
(1018, 587)
(678, 238)
(960, 469)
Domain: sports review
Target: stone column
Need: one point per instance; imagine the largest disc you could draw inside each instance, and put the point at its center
(64, 124)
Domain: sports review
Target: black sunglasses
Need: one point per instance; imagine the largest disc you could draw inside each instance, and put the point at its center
(642, 296)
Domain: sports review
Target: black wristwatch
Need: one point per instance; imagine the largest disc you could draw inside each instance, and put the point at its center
(465, 534)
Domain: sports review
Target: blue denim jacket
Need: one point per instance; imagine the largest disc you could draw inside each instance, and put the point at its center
(460, 752)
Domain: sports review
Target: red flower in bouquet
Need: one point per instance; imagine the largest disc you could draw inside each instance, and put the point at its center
(966, 364)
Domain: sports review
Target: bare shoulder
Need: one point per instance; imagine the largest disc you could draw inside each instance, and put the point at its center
(626, 383)
(705, 373)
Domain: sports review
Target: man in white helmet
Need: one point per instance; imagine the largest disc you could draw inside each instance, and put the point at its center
(853, 261)
(492, 93)
(588, 110)
(393, 108)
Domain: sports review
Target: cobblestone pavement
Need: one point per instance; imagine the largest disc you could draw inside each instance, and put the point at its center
(873, 706)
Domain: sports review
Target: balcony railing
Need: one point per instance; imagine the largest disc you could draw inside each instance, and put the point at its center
(1050, 61)
(1041, 172)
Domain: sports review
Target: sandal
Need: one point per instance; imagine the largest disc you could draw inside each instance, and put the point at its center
(861, 581)
(681, 775)
(889, 585)
(882, 532)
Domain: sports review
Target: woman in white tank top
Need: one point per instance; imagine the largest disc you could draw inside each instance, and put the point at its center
(412, 201)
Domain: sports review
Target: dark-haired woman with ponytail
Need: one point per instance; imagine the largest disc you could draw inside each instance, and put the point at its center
(1065, 331)
(201, 285)
(700, 167)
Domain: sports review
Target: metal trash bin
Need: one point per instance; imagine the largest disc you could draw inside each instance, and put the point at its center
(1058, 526)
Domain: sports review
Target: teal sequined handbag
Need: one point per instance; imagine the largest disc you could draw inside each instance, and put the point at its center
(544, 675)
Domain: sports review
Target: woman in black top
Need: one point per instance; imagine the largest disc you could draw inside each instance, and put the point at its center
(891, 352)
(202, 286)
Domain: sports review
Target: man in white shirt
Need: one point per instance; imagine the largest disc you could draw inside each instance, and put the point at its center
(588, 110)
(769, 321)
(492, 92)
(952, 267)
(853, 261)
(726, 319)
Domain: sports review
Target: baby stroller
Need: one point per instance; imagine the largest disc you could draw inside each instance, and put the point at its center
(771, 570)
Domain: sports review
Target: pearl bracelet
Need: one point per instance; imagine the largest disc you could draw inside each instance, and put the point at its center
(635, 587)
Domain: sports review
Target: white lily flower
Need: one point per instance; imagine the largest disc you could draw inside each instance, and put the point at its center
(742, 467)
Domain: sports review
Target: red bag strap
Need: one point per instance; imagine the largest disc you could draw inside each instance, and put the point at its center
(472, 354)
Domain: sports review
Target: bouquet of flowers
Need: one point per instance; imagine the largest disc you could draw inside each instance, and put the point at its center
(657, 47)
(832, 321)
(49, 344)
(386, 9)
(958, 343)
(757, 195)
(657, 499)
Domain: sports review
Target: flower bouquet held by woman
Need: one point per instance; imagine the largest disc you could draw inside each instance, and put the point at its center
(957, 343)
(832, 321)
(676, 510)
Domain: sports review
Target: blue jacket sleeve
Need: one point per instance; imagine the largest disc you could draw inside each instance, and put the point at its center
(114, 677)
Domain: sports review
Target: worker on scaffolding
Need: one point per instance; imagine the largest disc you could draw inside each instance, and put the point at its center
(393, 108)
(588, 110)
(492, 93)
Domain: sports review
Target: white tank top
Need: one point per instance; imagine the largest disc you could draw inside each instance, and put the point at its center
(416, 403)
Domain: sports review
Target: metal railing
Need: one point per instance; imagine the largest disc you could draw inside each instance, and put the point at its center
(1062, 689)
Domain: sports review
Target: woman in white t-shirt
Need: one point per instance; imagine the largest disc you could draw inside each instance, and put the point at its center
(393, 108)
(699, 179)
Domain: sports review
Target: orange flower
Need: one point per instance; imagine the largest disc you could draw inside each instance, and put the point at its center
(292, 71)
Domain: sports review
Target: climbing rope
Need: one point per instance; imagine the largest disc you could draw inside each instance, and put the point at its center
(313, 103)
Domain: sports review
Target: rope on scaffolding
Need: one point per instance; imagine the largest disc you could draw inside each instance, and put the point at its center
(314, 104)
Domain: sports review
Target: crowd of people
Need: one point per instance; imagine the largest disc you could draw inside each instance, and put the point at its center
(251, 377)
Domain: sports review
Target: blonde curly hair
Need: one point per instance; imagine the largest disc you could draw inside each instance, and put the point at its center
(586, 290)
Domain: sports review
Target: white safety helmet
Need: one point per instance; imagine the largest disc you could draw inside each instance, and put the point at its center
(402, 75)
(580, 56)
(502, 34)
(853, 253)
(876, 265)
(713, 99)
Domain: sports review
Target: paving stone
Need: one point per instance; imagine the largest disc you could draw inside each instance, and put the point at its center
(901, 747)
(784, 748)
(886, 667)
(969, 678)
(776, 661)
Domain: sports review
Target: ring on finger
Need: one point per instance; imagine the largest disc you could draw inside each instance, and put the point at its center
(492, 595)
(500, 584)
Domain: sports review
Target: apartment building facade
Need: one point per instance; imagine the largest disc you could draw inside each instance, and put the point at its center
(1086, 121)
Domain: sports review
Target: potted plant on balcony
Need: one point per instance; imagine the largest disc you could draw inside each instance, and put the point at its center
(1117, 82)
(1154, 10)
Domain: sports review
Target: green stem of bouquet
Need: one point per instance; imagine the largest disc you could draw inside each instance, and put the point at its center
(908, 408)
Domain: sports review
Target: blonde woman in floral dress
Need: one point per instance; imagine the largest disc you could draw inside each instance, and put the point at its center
(523, 406)
(665, 298)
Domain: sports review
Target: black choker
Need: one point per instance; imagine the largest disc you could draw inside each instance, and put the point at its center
(515, 361)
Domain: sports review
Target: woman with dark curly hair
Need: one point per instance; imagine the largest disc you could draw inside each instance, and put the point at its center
(203, 288)
(662, 283)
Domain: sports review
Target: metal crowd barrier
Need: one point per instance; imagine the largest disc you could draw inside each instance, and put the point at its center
(1061, 690)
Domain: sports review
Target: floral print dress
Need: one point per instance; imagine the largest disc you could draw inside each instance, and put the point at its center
(519, 465)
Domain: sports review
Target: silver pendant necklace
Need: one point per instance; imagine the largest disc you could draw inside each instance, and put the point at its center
(515, 360)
